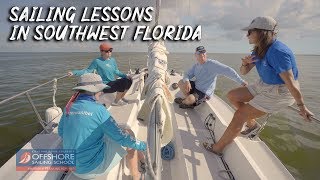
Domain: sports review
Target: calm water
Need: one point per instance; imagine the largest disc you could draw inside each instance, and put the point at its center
(294, 141)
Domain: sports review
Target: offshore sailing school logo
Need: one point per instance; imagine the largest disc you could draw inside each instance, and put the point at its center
(46, 160)
(25, 158)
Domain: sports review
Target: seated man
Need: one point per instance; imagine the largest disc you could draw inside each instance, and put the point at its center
(107, 68)
(87, 127)
(205, 72)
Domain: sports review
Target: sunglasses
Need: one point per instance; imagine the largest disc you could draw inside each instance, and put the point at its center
(250, 31)
(106, 51)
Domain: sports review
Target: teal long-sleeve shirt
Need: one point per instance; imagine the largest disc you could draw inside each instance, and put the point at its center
(84, 129)
(107, 69)
(206, 75)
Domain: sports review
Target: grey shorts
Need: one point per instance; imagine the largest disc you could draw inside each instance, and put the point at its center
(270, 98)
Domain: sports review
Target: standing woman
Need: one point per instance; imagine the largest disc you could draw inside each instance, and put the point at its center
(277, 88)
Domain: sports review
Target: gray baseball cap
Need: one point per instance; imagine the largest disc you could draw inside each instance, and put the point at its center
(263, 22)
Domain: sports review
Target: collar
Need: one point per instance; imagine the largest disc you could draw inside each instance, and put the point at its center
(86, 97)
(105, 59)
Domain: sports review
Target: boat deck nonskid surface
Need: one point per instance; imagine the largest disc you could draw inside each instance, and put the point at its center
(191, 159)
(194, 160)
(199, 162)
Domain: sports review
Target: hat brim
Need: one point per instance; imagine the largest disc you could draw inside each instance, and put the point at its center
(246, 28)
(202, 51)
(92, 88)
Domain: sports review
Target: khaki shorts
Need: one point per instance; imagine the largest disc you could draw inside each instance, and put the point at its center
(270, 98)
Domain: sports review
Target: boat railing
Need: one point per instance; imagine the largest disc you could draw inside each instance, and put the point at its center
(313, 118)
(27, 94)
(265, 118)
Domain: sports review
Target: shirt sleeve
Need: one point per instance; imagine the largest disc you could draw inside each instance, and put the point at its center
(228, 72)
(89, 69)
(190, 74)
(117, 71)
(112, 130)
(280, 61)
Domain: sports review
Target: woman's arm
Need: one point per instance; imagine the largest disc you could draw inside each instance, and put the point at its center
(244, 69)
(89, 69)
(287, 77)
(113, 131)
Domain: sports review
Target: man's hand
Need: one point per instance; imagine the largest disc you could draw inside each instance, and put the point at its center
(188, 86)
(70, 73)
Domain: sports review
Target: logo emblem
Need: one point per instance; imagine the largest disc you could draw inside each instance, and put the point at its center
(264, 63)
(25, 158)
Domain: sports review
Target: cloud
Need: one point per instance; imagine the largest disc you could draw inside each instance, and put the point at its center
(299, 19)
(221, 20)
(294, 17)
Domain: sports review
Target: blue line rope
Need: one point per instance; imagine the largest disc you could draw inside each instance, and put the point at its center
(168, 152)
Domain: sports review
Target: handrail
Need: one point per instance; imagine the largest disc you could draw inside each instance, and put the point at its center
(266, 117)
(42, 123)
(297, 110)
(24, 92)
(130, 71)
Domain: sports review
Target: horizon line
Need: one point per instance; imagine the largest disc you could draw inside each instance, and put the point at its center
(310, 54)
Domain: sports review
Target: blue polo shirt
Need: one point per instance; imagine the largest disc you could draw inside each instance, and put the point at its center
(107, 69)
(84, 129)
(279, 58)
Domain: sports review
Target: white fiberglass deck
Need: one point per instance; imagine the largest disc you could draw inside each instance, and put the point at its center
(247, 159)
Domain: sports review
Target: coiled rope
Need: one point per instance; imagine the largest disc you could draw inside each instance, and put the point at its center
(168, 152)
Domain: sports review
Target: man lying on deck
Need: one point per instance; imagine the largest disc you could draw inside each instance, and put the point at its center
(205, 72)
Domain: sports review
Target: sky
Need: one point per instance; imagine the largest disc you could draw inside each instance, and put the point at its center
(220, 20)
